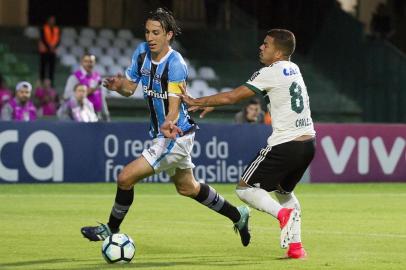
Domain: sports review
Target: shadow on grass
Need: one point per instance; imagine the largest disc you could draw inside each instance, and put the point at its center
(71, 264)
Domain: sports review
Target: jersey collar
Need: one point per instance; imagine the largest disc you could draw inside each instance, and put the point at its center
(163, 58)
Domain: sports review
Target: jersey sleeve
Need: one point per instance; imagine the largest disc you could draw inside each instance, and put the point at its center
(260, 80)
(133, 71)
(176, 76)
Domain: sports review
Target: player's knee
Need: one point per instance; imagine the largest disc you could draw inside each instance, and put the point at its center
(242, 193)
(123, 180)
(187, 190)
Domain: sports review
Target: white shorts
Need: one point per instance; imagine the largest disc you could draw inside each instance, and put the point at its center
(168, 155)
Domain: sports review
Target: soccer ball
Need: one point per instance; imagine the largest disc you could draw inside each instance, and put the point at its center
(118, 248)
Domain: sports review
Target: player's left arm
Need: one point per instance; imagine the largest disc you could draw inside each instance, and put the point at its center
(169, 128)
(176, 77)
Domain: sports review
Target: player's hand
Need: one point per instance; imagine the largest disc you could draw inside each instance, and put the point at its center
(205, 110)
(190, 101)
(114, 83)
(170, 130)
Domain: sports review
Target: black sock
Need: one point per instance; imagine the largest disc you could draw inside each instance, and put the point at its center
(208, 196)
(123, 201)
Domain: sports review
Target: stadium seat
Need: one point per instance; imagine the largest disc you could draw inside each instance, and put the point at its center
(21, 69)
(207, 73)
(77, 51)
(74, 67)
(68, 32)
(135, 42)
(96, 51)
(114, 69)
(103, 42)
(101, 69)
(106, 60)
(86, 42)
(88, 32)
(31, 32)
(68, 60)
(128, 52)
(3, 49)
(68, 41)
(197, 88)
(125, 34)
(120, 43)
(61, 50)
(113, 52)
(187, 61)
(4, 68)
(191, 73)
(106, 33)
(124, 61)
(9, 58)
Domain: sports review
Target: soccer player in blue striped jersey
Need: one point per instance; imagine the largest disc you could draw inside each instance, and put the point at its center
(161, 71)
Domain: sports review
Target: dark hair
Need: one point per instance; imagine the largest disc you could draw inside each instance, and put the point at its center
(77, 86)
(253, 101)
(284, 40)
(166, 19)
(88, 54)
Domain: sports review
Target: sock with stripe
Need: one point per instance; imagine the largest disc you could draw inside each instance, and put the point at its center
(259, 199)
(290, 201)
(209, 197)
(123, 201)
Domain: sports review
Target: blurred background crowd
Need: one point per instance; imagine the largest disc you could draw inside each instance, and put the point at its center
(55, 54)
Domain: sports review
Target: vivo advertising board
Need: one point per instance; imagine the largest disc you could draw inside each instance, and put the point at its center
(76, 152)
(360, 153)
(96, 152)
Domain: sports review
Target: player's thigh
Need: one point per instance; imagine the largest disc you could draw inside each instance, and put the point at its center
(135, 171)
(300, 156)
(185, 182)
(267, 169)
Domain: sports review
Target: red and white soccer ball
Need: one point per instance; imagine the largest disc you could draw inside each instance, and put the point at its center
(118, 248)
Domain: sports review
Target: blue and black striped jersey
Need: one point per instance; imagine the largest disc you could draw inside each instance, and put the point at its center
(159, 81)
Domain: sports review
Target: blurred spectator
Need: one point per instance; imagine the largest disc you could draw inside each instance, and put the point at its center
(78, 107)
(252, 113)
(20, 108)
(267, 118)
(87, 76)
(5, 93)
(47, 45)
(46, 99)
(381, 22)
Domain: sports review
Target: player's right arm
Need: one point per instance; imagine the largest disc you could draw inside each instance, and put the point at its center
(121, 85)
(127, 85)
(255, 85)
(225, 98)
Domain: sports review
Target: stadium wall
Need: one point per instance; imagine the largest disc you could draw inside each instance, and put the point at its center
(41, 151)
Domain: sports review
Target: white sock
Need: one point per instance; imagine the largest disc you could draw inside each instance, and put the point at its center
(259, 199)
(290, 201)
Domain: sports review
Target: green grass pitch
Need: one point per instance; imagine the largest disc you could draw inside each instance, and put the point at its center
(344, 227)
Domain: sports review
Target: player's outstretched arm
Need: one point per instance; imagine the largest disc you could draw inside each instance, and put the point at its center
(205, 110)
(226, 98)
(120, 84)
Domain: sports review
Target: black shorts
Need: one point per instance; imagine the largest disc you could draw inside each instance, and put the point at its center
(280, 167)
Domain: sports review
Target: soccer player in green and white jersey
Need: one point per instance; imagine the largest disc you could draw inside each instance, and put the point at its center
(280, 165)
